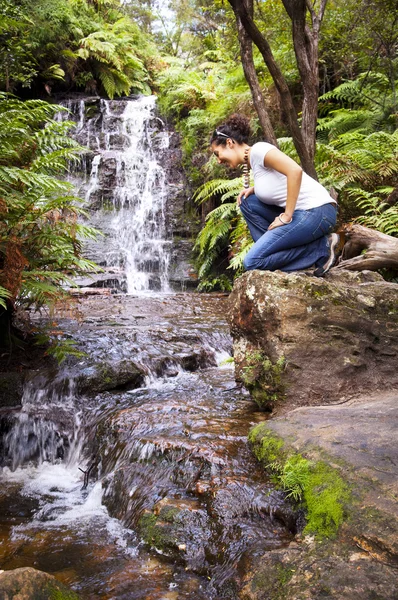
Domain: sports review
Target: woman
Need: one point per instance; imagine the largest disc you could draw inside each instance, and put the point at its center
(289, 214)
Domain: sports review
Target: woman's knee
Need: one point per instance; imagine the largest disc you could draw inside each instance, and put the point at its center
(250, 263)
(244, 207)
(247, 264)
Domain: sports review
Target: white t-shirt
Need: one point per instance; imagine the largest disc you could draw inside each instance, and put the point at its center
(271, 188)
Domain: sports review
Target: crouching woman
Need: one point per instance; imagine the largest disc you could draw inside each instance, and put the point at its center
(290, 215)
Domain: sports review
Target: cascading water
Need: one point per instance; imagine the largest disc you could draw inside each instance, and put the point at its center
(131, 488)
(127, 473)
(47, 427)
(126, 190)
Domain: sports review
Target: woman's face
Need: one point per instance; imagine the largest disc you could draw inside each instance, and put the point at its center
(228, 154)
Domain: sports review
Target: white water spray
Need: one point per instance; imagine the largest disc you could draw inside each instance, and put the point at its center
(126, 189)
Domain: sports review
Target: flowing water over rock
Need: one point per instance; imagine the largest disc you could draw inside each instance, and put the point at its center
(126, 473)
(140, 486)
(124, 182)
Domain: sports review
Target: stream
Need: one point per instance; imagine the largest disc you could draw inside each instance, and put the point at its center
(126, 473)
(173, 448)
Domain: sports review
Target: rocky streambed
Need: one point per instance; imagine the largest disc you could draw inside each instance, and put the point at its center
(126, 472)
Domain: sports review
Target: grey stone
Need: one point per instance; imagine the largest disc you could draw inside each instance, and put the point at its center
(323, 355)
(30, 584)
(357, 438)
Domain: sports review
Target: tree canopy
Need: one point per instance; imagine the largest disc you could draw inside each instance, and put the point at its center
(317, 78)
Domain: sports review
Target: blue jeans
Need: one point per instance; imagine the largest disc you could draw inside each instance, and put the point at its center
(298, 245)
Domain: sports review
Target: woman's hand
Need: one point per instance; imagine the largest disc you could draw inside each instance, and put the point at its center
(280, 221)
(244, 194)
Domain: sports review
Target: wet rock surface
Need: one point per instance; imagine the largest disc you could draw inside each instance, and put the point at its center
(127, 338)
(179, 473)
(145, 486)
(328, 347)
(314, 341)
(28, 584)
(358, 439)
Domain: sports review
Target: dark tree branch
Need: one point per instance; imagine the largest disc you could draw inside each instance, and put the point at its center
(306, 41)
(262, 44)
(246, 50)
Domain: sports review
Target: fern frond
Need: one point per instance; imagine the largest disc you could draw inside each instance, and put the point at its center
(217, 187)
(40, 239)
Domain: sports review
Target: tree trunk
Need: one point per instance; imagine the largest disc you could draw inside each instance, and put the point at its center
(246, 51)
(368, 249)
(306, 41)
(262, 44)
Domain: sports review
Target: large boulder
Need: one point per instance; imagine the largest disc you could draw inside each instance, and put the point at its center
(29, 584)
(331, 343)
(299, 340)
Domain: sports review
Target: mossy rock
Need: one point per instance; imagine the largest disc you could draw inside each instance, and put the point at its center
(30, 584)
(272, 583)
(11, 389)
(263, 379)
(156, 534)
(110, 376)
(316, 485)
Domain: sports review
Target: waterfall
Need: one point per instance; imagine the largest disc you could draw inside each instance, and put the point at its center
(47, 427)
(125, 191)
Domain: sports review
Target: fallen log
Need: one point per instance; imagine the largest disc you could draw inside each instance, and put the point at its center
(367, 249)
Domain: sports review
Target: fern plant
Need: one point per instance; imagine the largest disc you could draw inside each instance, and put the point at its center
(377, 213)
(113, 59)
(224, 228)
(357, 151)
(40, 236)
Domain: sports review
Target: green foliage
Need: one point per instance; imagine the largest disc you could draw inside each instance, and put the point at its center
(16, 60)
(218, 284)
(4, 294)
(199, 96)
(324, 494)
(40, 237)
(377, 213)
(224, 227)
(54, 44)
(293, 475)
(358, 149)
(113, 59)
(56, 346)
(349, 46)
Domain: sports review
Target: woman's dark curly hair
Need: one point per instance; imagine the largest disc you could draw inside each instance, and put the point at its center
(237, 128)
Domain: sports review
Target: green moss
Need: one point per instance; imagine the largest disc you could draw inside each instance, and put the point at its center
(153, 533)
(60, 593)
(267, 447)
(285, 574)
(317, 290)
(263, 378)
(326, 495)
(169, 514)
(319, 487)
